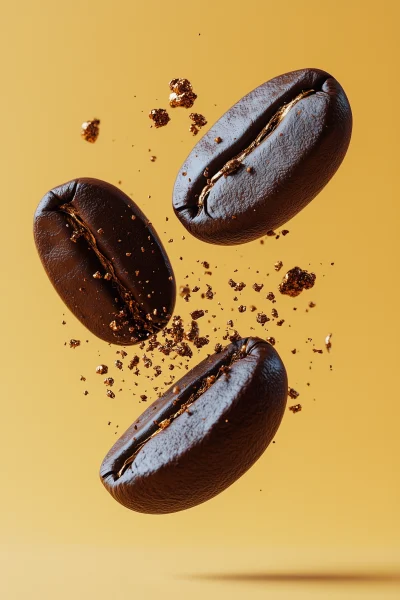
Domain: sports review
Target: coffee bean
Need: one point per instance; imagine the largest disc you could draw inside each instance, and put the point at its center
(202, 434)
(105, 260)
(292, 132)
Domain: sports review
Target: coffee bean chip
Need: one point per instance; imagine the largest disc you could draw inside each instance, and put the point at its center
(90, 130)
(295, 281)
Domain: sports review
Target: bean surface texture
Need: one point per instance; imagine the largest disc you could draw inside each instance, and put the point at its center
(202, 434)
(105, 260)
(278, 147)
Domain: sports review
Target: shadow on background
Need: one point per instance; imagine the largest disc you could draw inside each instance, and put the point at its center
(260, 577)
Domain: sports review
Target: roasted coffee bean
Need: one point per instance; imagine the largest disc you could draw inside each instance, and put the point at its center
(280, 145)
(105, 260)
(202, 434)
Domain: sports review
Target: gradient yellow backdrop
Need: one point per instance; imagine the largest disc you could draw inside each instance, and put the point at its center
(325, 497)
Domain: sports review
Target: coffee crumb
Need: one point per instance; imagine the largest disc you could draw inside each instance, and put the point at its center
(90, 130)
(285, 231)
(242, 308)
(83, 378)
(198, 119)
(295, 281)
(280, 322)
(278, 265)
(85, 393)
(109, 381)
(119, 364)
(160, 117)
(102, 370)
(197, 314)
(193, 129)
(271, 340)
(143, 397)
(250, 170)
(97, 275)
(295, 408)
(110, 394)
(218, 140)
(328, 343)
(293, 394)
(257, 287)
(74, 343)
(182, 93)
(217, 348)
(153, 158)
(317, 351)
(262, 318)
(270, 296)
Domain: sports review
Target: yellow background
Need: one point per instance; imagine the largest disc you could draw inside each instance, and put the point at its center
(330, 484)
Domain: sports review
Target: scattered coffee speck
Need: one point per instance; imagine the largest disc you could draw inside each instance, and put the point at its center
(293, 394)
(295, 281)
(109, 381)
(328, 343)
(197, 314)
(74, 343)
(110, 394)
(160, 117)
(295, 408)
(278, 265)
(102, 370)
(182, 93)
(90, 130)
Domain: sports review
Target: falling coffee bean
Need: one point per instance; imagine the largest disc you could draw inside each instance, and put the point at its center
(292, 132)
(105, 260)
(202, 434)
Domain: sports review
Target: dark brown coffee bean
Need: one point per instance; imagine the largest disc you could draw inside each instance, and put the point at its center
(280, 145)
(203, 434)
(105, 260)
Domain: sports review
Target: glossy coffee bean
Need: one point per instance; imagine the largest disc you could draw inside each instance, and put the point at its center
(105, 260)
(278, 147)
(202, 434)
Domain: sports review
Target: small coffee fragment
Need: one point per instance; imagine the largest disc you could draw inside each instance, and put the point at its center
(262, 318)
(242, 308)
(198, 119)
(193, 129)
(293, 394)
(328, 343)
(119, 364)
(109, 381)
(295, 281)
(312, 305)
(110, 394)
(90, 130)
(160, 117)
(102, 370)
(271, 340)
(182, 93)
(218, 140)
(197, 314)
(257, 287)
(270, 296)
(153, 158)
(295, 408)
(74, 343)
(278, 265)
(285, 231)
